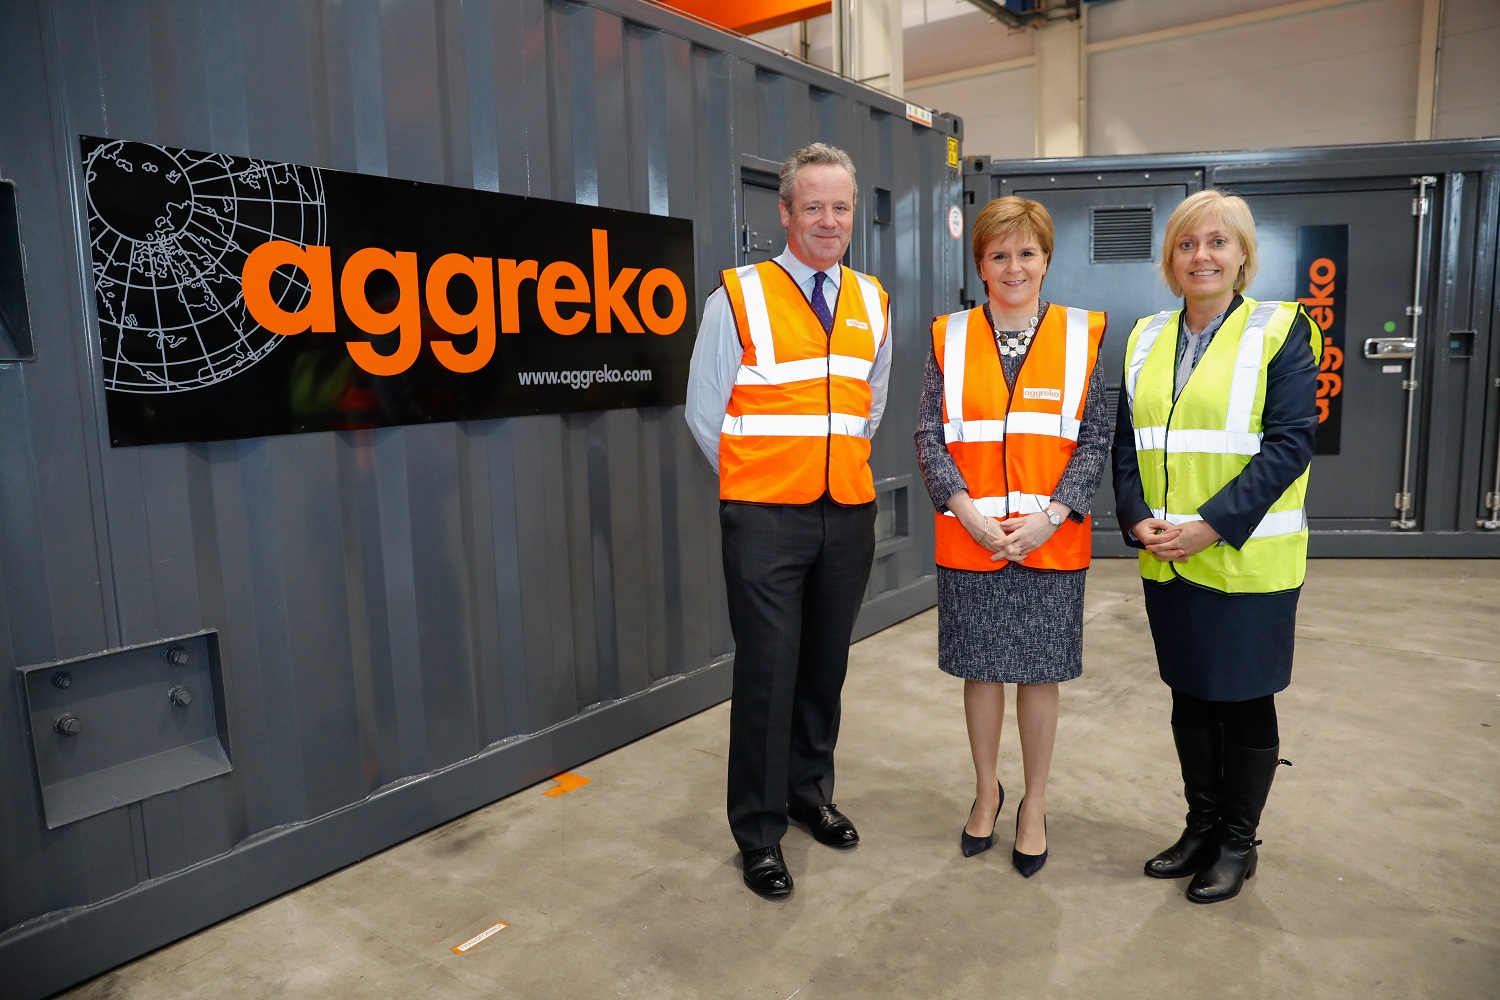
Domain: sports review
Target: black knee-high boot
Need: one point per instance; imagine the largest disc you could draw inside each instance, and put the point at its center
(1199, 753)
(1246, 784)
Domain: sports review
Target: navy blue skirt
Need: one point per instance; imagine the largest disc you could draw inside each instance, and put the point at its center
(1222, 647)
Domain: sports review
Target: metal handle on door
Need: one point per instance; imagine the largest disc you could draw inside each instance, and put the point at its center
(1390, 348)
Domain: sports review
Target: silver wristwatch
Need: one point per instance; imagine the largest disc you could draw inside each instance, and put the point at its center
(1054, 517)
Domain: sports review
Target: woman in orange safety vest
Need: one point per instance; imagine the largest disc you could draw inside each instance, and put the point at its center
(1012, 436)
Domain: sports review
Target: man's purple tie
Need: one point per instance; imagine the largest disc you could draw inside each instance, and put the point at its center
(820, 304)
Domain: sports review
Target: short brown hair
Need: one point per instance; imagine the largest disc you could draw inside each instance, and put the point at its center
(1233, 214)
(1009, 215)
(812, 155)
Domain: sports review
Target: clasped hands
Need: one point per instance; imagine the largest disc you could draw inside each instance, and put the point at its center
(1170, 542)
(1014, 538)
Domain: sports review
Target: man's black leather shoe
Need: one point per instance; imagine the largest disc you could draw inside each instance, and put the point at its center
(828, 825)
(766, 873)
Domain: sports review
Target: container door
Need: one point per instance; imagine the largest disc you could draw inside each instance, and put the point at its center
(1349, 253)
(763, 235)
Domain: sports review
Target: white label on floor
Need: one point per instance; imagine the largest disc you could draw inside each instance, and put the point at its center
(482, 935)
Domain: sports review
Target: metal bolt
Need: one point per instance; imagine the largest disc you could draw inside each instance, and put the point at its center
(180, 696)
(177, 656)
(62, 679)
(67, 724)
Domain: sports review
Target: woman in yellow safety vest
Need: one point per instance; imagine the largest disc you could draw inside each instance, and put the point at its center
(1213, 438)
(1012, 437)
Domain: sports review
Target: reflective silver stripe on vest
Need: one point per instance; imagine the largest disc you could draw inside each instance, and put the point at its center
(1207, 442)
(1280, 522)
(870, 292)
(1075, 372)
(1150, 438)
(1050, 424)
(849, 425)
(955, 344)
(1143, 345)
(796, 425)
(804, 370)
(1001, 507)
(787, 371)
(757, 315)
(1247, 368)
(1029, 503)
(850, 367)
(974, 430)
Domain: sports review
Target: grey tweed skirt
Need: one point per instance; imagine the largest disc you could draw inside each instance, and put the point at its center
(1012, 626)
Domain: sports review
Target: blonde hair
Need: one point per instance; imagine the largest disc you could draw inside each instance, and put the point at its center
(1233, 214)
(1009, 215)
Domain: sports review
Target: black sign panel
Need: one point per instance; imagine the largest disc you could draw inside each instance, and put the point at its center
(1323, 275)
(239, 298)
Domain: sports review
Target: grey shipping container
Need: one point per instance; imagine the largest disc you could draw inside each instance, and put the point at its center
(373, 631)
(1401, 236)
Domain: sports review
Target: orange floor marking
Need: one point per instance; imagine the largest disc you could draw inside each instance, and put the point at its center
(566, 782)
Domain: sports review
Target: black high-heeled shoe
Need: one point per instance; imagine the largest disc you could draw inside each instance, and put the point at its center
(972, 845)
(1028, 864)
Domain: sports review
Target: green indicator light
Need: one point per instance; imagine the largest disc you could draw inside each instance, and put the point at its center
(1390, 327)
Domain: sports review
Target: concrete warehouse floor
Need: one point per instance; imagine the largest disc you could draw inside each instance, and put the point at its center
(1379, 877)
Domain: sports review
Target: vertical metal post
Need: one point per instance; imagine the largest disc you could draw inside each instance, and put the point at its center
(1420, 209)
(1492, 498)
(843, 15)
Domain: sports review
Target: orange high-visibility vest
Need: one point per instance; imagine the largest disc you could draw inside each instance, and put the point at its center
(1012, 448)
(798, 421)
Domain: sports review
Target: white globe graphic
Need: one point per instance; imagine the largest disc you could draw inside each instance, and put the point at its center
(170, 230)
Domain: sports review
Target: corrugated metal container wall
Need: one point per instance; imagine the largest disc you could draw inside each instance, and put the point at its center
(478, 605)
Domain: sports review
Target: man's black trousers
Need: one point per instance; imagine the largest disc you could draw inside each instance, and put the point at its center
(795, 577)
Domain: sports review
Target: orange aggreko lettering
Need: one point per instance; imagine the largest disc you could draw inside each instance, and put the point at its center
(1330, 384)
(406, 316)
(314, 262)
(609, 297)
(549, 294)
(480, 321)
(512, 273)
(660, 277)
(1319, 301)
(1321, 278)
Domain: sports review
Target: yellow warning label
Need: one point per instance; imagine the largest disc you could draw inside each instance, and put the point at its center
(953, 151)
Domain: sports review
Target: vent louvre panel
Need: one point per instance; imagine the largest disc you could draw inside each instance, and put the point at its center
(1121, 234)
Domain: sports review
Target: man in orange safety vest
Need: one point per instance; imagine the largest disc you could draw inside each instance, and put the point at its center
(787, 386)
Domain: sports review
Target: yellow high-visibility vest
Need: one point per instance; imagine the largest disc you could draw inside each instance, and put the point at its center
(1188, 449)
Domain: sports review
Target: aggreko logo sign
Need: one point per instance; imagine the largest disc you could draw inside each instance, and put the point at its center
(565, 298)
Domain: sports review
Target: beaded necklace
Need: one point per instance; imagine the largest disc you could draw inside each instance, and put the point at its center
(1015, 343)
